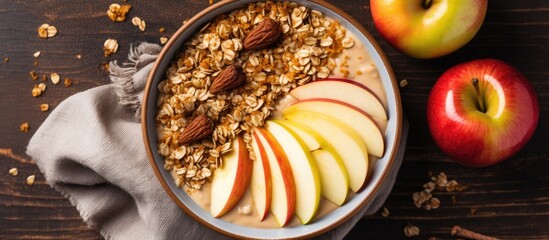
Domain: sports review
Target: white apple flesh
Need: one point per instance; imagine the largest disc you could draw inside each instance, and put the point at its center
(346, 91)
(283, 197)
(346, 143)
(304, 169)
(231, 180)
(334, 182)
(362, 123)
(261, 185)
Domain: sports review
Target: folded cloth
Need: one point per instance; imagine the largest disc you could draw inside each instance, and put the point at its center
(91, 150)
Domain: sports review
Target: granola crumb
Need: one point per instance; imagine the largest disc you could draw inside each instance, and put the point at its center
(36, 54)
(403, 83)
(54, 78)
(117, 12)
(424, 199)
(30, 179)
(105, 67)
(47, 31)
(385, 212)
(110, 46)
(68, 82)
(24, 127)
(33, 75)
(78, 56)
(163, 40)
(411, 230)
(161, 30)
(44, 78)
(36, 62)
(13, 171)
(44, 107)
(6, 59)
(474, 210)
(36, 91)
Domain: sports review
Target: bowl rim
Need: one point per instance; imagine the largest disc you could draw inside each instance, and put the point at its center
(170, 44)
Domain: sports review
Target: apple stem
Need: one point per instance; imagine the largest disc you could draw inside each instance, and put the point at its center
(477, 91)
(427, 4)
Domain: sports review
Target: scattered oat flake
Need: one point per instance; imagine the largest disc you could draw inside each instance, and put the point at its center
(13, 171)
(33, 75)
(385, 212)
(36, 91)
(110, 46)
(161, 30)
(78, 56)
(47, 31)
(54, 78)
(403, 83)
(36, 54)
(117, 12)
(136, 21)
(44, 107)
(68, 82)
(163, 40)
(42, 87)
(6, 59)
(411, 230)
(24, 127)
(30, 179)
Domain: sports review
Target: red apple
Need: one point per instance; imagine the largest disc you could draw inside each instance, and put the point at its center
(482, 112)
(428, 28)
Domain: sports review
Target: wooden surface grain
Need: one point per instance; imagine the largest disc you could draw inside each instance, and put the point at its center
(511, 199)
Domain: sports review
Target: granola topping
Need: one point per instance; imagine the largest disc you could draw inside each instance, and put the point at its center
(306, 51)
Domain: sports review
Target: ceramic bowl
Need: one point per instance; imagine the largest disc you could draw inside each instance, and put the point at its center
(321, 225)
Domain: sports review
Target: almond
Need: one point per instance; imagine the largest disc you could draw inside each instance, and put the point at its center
(199, 128)
(230, 78)
(262, 35)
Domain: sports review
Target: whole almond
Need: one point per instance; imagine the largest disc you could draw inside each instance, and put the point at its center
(262, 35)
(199, 128)
(231, 77)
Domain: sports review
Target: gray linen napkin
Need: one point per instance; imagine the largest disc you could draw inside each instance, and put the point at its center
(90, 149)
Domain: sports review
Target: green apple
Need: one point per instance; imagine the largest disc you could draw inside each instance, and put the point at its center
(304, 169)
(362, 123)
(283, 197)
(345, 141)
(231, 180)
(334, 182)
(428, 28)
(261, 185)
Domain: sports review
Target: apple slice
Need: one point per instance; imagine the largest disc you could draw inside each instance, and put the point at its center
(362, 123)
(345, 141)
(231, 180)
(261, 185)
(283, 195)
(344, 90)
(334, 182)
(307, 180)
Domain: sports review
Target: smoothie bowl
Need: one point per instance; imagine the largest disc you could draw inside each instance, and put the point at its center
(271, 119)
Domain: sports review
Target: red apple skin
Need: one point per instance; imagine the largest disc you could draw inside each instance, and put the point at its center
(285, 167)
(243, 177)
(268, 179)
(470, 136)
(431, 32)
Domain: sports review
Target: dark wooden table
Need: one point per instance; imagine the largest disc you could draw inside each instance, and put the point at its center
(511, 199)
